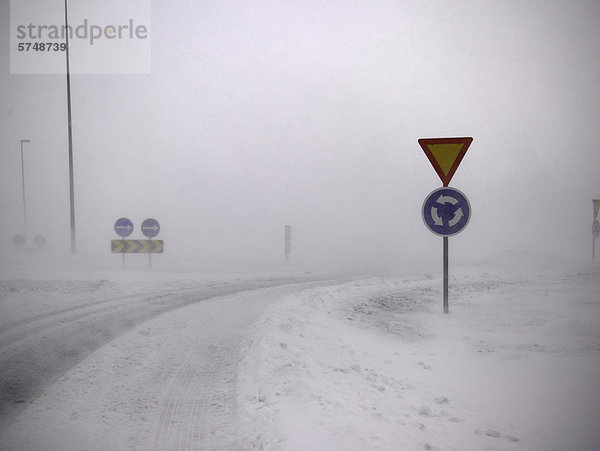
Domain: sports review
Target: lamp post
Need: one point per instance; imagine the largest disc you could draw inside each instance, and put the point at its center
(23, 184)
(70, 135)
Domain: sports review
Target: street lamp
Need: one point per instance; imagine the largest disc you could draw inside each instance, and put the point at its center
(23, 183)
(70, 134)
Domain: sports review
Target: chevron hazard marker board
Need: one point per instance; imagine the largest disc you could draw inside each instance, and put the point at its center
(445, 154)
(137, 246)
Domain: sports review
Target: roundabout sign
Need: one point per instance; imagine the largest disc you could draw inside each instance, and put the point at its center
(446, 211)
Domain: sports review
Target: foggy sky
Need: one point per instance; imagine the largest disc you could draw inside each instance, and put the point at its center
(259, 114)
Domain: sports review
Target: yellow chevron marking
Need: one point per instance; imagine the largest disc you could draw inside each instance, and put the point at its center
(145, 246)
(137, 246)
(158, 246)
(132, 247)
(116, 247)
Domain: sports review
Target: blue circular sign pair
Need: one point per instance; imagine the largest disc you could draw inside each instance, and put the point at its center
(150, 227)
(446, 211)
(123, 227)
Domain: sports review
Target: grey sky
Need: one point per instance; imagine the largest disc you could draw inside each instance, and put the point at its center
(259, 114)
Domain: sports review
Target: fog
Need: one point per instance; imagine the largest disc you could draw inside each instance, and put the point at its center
(261, 114)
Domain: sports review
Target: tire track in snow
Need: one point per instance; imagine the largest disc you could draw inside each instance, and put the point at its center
(199, 410)
(34, 353)
(46, 349)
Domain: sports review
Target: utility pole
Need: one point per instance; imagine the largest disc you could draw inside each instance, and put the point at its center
(70, 135)
(23, 183)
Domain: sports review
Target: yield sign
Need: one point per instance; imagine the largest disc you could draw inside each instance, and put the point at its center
(445, 154)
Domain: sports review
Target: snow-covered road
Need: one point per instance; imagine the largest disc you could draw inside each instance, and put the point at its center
(183, 373)
(293, 364)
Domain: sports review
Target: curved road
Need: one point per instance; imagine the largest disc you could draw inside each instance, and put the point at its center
(193, 402)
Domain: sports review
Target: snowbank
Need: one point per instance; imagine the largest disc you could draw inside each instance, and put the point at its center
(374, 364)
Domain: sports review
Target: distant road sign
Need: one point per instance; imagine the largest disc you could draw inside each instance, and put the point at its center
(19, 240)
(137, 246)
(288, 239)
(446, 211)
(445, 154)
(596, 207)
(150, 227)
(123, 227)
(596, 229)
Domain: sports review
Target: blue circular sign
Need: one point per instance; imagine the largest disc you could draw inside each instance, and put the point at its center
(150, 227)
(123, 227)
(446, 211)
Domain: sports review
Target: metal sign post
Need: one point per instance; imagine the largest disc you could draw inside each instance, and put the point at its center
(446, 307)
(595, 233)
(595, 227)
(124, 228)
(150, 228)
(288, 243)
(446, 211)
(23, 183)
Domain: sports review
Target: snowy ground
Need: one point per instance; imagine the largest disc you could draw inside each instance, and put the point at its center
(274, 362)
(92, 360)
(373, 364)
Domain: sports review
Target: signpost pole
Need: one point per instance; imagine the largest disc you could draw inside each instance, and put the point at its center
(123, 228)
(595, 227)
(446, 274)
(150, 228)
(288, 243)
(446, 211)
(23, 182)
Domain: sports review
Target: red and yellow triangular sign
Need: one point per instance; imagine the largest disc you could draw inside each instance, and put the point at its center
(445, 154)
(596, 207)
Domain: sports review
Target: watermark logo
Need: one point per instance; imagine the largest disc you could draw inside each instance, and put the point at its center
(99, 36)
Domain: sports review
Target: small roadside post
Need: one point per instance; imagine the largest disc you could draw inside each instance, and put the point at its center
(150, 228)
(124, 228)
(288, 243)
(446, 211)
(595, 227)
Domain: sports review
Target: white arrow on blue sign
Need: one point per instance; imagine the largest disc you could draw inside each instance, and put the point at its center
(123, 227)
(150, 227)
(446, 211)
